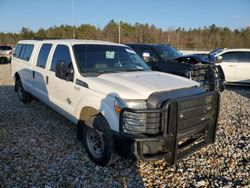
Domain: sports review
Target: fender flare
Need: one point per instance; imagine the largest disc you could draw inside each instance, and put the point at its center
(91, 106)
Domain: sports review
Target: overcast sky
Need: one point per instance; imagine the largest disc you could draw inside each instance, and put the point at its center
(165, 14)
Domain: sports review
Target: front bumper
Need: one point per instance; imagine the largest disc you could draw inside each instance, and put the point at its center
(185, 125)
(4, 57)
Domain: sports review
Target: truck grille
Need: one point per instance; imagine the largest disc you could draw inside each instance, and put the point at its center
(193, 127)
(184, 123)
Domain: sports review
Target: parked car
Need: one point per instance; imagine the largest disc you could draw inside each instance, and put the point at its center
(119, 105)
(5, 54)
(166, 58)
(235, 64)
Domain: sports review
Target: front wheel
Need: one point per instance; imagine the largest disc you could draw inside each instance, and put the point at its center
(99, 142)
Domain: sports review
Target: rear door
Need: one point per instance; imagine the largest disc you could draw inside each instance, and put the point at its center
(39, 73)
(228, 65)
(243, 67)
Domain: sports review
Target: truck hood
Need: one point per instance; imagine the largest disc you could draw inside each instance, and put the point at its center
(137, 85)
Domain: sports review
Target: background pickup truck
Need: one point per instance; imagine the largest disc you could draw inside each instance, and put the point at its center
(120, 106)
(165, 58)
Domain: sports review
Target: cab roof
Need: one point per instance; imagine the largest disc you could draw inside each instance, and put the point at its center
(69, 41)
(147, 44)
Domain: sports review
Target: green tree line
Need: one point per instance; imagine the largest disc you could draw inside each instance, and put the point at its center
(206, 38)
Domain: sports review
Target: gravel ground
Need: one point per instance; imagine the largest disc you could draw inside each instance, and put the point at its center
(38, 148)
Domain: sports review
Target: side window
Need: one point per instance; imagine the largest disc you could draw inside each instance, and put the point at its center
(26, 52)
(22, 52)
(230, 57)
(243, 57)
(137, 50)
(43, 55)
(17, 50)
(61, 54)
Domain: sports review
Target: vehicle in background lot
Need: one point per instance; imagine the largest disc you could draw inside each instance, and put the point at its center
(235, 64)
(166, 58)
(119, 105)
(5, 54)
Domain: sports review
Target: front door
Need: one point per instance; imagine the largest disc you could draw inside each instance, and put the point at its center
(62, 92)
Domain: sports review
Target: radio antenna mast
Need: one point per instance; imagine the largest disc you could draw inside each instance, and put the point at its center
(73, 18)
(119, 31)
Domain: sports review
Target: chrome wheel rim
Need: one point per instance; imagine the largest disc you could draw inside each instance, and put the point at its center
(95, 143)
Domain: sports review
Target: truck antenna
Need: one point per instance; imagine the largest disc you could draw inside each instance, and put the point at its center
(73, 18)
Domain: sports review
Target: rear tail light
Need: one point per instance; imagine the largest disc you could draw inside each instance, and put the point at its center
(10, 53)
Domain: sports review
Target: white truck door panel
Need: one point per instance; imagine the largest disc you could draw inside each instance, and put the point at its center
(61, 92)
(40, 73)
(39, 84)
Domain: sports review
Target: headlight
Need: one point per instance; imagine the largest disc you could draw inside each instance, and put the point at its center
(132, 122)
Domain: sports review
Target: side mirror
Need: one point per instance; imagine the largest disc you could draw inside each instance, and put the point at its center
(218, 59)
(146, 56)
(64, 71)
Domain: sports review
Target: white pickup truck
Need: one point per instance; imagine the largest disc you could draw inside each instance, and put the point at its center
(120, 106)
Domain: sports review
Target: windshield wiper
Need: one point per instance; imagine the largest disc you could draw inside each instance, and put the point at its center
(108, 71)
(98, 73)
(133, 70)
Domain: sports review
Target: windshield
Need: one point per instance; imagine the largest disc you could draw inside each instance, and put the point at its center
(167, 52)
(94, 60)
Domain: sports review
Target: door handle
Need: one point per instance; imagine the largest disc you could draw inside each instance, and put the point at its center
(47, 80)
(232, 65)
(33, 74)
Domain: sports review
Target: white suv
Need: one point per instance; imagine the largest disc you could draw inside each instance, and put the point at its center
(118, 104)
(235, 64)
(5, 54)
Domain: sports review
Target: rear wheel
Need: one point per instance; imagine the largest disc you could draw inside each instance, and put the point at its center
(22, 94)
(99, 142)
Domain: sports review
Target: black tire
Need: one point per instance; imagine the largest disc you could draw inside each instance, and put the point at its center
(2, 60)
(22, 94)
(222, 87)
(107, 155)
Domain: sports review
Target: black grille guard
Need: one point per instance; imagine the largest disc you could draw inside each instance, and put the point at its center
(179, 136)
